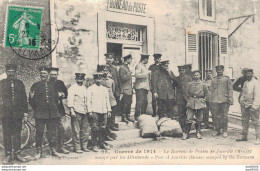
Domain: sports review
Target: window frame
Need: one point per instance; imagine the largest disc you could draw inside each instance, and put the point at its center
(201, 12)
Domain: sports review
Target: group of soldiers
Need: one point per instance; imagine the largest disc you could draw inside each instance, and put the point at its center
(96, 105)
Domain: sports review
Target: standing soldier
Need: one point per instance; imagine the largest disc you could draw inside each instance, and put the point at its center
(142, 85)
(182, 80)
(77, 103)
(99, 110)
(238, 85)
(63, 93)
(221, 98)
(14, 107)
(153, 68)
(44, 101)
(163, 89)
(125, 77)
(250, 102)
(188, 68)
(196, 93)
(207, 82)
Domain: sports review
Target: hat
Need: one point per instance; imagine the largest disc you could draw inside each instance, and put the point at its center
(11, 67)
(44, 69)
(249, 70)
(98, 75)
(195, 71)
(108, 54)
(219, 67)
(164, 62)
(188, 65)
(117, 57)
(157, 55)
(181, 67)
(101, 68)
(144, 56)
(53, 69)
(80, 76)
(127, 57)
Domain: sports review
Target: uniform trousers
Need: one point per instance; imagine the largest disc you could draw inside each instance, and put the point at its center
(12, 134)
(141, 102)
(182, 117)
(154, 105)
(199, 118)
(206, 114)
(60, 133)
(220, 112)
(126, 102)
(246, 115)
(111, 120)
(165, 107)
(98, 123)
(80, 131)
(51, 131)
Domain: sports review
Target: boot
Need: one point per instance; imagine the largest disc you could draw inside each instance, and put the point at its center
(55, 153)
(105, 147)
(109, 138)
(19, 158)
(199, 135)
(114, 128)
(129, 119)
(216, 134)
(38, 154)
(7, 159)
(243, 138)
(62, 150)
(78, 151)
(124, 119)
(184, 136)
(85, 149)
(225, 135)
(95, 149)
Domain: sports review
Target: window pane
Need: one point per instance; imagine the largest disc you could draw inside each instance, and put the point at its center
(209, 8)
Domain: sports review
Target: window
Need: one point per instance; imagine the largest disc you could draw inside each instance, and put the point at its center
(207, 10)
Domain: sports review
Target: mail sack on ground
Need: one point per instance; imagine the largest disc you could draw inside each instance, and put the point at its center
(169, 127)
(147, 125)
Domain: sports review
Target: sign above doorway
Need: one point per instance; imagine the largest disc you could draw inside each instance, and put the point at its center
(127, 6)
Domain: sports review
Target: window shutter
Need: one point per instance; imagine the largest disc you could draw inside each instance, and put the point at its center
(223, 51)
(191, 47)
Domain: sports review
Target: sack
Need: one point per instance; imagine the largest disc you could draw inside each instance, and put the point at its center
(147, 125)
(168, 127)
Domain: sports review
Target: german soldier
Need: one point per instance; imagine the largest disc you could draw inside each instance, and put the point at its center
(154, 67)
(63, 93)
(125, 77)
(14, 108)
(163, 89)
(142, 85)
(44, 101)
(221, 98)
(188, 68)
(196, 93)
(182, 80)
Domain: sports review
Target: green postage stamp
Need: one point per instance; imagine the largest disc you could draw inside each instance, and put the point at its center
(23, 27)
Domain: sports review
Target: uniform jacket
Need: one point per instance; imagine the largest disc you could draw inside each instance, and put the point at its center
(181, 88)
(238, 85)
(110, 85)
(45, 100)
(125, 78)
(142, 76)
(221, 90)
(98, 99)
(163, 84)
(153, 68)
(207, 82)
(251, 94)
(113, 71)
(60, 87)
(196, 93)
(13, 102)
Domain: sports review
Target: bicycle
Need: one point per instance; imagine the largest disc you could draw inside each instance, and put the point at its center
(28, 133)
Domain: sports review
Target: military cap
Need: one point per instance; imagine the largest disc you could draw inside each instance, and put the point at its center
(11, 67)
(144, 56)
(101, 68)
(44, 69)
(188, 65)
(80, 76)
(127, 57)
(53, 69)
(164, 62)
(98, 75)
(219, 67)
(195, 71)
(117, 57)
(108, 54)
(249, 70)
(157, 55)
(181, 67)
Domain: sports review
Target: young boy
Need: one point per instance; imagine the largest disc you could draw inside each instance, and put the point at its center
(99, 109)
(196, 93)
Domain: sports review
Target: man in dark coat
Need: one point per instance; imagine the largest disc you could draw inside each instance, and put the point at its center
(163, 89)
(14, 107)
(44, 101)
(125, 77)
(154, 67)
(63, 93)
(188, 68)
(183, 81)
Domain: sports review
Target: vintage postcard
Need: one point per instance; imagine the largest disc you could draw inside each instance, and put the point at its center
(137, 82)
